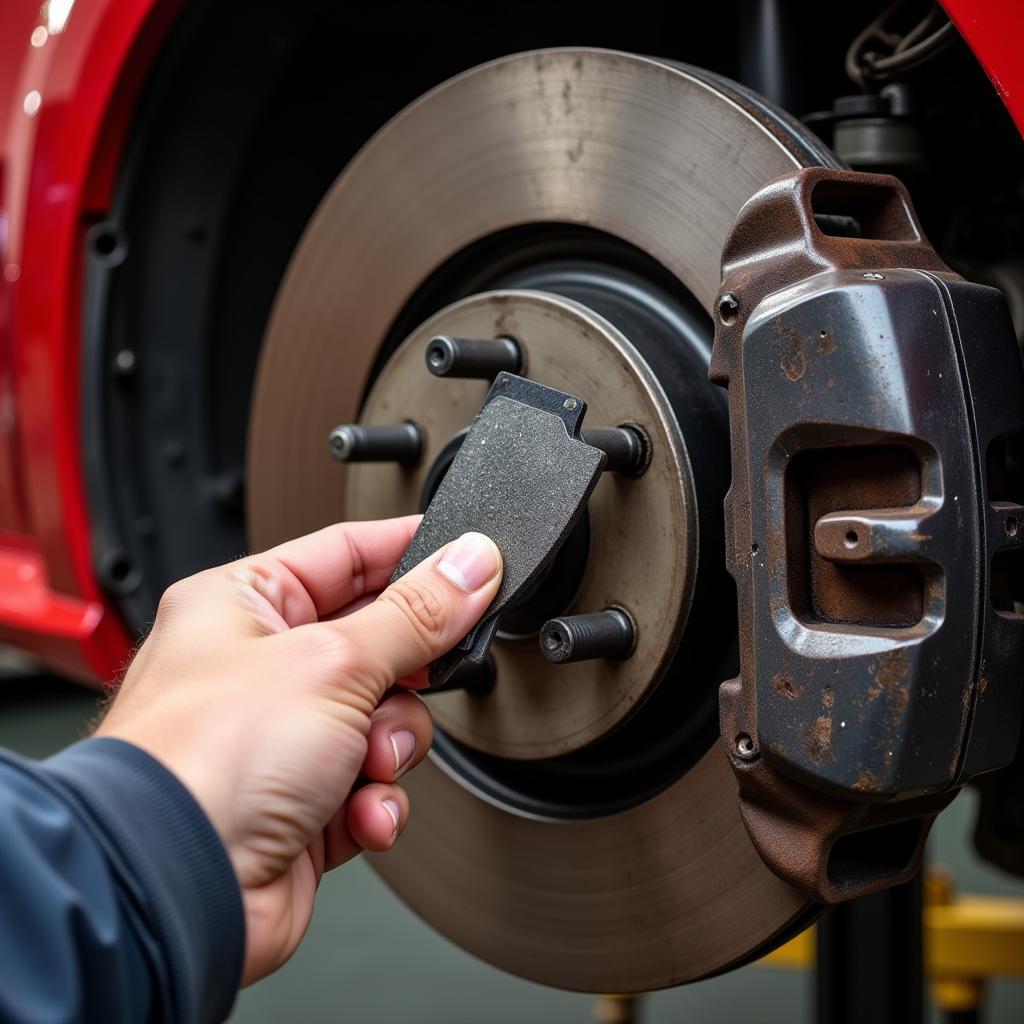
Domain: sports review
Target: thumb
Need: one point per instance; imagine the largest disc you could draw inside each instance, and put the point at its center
(427, 611)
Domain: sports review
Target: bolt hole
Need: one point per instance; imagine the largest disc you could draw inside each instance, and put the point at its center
(822, 334)
(119, 572)
(753, 549)
(1011, 526)
(108, 244)
(851, 539)
(728, 308)
(745, 748)
(105, 243)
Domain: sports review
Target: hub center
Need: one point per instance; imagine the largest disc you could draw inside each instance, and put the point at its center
(634, 553)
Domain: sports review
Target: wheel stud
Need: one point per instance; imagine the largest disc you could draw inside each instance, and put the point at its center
(353, 442)
(472, 358)
(608, 634)
(626, 447)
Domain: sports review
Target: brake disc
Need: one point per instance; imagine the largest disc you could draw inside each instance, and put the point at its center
(578, 825)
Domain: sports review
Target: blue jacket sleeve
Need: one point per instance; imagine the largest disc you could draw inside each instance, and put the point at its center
(117, 898)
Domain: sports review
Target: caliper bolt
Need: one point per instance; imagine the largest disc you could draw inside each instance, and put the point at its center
(627, 448)
(353, 442)
(608, 634)
(472, 358)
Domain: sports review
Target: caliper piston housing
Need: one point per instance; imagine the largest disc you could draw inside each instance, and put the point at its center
(872, 525)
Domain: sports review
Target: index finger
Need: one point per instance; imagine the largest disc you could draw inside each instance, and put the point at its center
(342, 562)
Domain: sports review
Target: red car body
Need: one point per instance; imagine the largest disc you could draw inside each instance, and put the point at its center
(70, 75)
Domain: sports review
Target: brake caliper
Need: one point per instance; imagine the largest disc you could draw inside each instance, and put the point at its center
(875, 401)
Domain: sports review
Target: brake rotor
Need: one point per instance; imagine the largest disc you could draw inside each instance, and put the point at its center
(621, 864)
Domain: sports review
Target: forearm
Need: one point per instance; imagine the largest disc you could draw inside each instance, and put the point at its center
(118, 900)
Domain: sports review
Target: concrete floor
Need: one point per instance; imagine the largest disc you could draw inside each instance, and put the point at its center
(368, 958)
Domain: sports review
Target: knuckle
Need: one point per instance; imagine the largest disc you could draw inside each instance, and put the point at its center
(421, 607)
(174, 598)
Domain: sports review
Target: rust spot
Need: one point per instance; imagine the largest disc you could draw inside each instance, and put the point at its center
(891, 672)
(794, 362)
(784, 686)
(965, 703)
(827, 698)
(819, 747)
(893, 668)
(867, 781)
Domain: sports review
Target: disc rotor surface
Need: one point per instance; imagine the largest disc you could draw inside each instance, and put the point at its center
(662, 158)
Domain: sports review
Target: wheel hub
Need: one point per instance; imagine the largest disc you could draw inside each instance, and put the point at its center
(536, 709)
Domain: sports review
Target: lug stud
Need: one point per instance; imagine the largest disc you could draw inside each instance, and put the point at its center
(353, 442)
(628, 450)
(609, 634)
(472, 358)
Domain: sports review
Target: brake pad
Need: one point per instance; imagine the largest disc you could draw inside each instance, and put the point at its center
(522, 477)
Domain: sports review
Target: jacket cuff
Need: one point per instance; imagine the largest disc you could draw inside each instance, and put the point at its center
(168, 856)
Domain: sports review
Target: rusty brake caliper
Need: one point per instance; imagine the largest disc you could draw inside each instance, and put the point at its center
(872, 528)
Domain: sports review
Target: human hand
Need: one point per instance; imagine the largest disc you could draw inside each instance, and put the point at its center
(265, 686)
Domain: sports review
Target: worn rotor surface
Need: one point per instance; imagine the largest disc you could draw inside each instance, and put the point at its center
(669, 889)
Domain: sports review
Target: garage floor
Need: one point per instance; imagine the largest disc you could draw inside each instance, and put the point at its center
(368, 958)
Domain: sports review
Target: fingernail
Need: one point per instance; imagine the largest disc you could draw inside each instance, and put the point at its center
(395, 813)
(470, 562)
(403, 743)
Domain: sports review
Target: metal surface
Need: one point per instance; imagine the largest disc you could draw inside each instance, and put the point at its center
(992, 29)
(627, 449)
(670, 889)
(472, 357)
(400, 443)
(870, 959)
(608, 634)
(876, 656)
(537, 711)
(999, 829)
